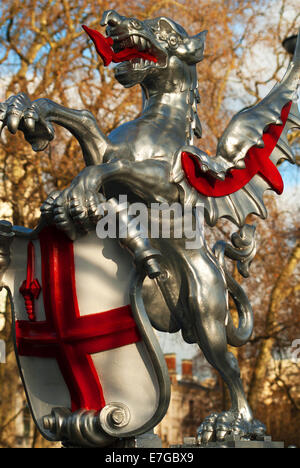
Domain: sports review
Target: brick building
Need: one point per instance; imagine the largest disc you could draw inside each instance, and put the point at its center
(192, 398)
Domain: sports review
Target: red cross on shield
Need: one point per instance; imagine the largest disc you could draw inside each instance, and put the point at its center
(80, 346)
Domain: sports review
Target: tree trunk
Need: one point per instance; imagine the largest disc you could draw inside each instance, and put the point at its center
(280, 292)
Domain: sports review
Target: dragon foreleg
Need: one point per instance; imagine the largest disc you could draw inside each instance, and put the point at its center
(35, 120)
(83, 126)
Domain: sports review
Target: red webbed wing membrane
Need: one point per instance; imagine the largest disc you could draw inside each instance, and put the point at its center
(257, 161)
(104, 48)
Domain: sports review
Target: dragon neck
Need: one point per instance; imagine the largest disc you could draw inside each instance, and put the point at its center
(177, 102)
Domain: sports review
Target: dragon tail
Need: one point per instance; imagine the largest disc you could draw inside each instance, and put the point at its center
(243, 251)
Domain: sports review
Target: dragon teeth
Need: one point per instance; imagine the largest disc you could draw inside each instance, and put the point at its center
(139, 63)
(143, 43)
(135, 40)
(140, 42)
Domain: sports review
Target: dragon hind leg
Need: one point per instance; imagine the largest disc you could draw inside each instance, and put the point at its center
(238, 420)
(207, 305)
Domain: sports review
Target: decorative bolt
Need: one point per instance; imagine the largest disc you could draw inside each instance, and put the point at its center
(152, 268)
(118, 418)
(113, 417)
(164, 275)
(49, 423)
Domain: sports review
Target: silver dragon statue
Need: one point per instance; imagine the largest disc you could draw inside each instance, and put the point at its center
(152, 159)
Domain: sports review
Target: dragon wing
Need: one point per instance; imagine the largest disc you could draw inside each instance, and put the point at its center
(232, 184)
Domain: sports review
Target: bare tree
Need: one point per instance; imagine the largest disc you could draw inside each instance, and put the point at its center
(45, 53)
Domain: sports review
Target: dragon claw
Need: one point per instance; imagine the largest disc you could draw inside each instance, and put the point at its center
(228, 425)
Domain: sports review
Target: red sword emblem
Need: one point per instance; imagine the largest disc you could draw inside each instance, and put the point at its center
(30, 288)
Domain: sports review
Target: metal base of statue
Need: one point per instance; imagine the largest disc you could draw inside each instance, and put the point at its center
(147, 440)
(231, 442)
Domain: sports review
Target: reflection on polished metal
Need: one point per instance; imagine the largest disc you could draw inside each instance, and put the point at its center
(290, 44)
(152, 159)
(81, 428)
(6, 238)
(113, 416)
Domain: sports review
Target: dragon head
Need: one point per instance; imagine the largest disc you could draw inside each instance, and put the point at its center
(156, 52)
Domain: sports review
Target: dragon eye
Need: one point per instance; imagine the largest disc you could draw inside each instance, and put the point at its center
(136, 24)
(163, 35)
(173, 40)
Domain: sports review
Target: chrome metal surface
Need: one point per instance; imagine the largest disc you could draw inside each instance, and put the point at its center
(142, 160)
(80, 428)
(89, 428)
(113, 417)
(6, 238)
(289, 44)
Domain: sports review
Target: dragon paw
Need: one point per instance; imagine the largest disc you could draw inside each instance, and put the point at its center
(229, 424)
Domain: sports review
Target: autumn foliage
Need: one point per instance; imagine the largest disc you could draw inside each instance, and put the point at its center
(45, 53)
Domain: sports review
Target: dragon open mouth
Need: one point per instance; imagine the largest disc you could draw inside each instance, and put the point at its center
(138, 51)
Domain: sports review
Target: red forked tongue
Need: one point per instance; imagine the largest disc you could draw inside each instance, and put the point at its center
(104, 48)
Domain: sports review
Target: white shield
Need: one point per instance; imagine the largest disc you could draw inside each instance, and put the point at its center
(77, 341)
